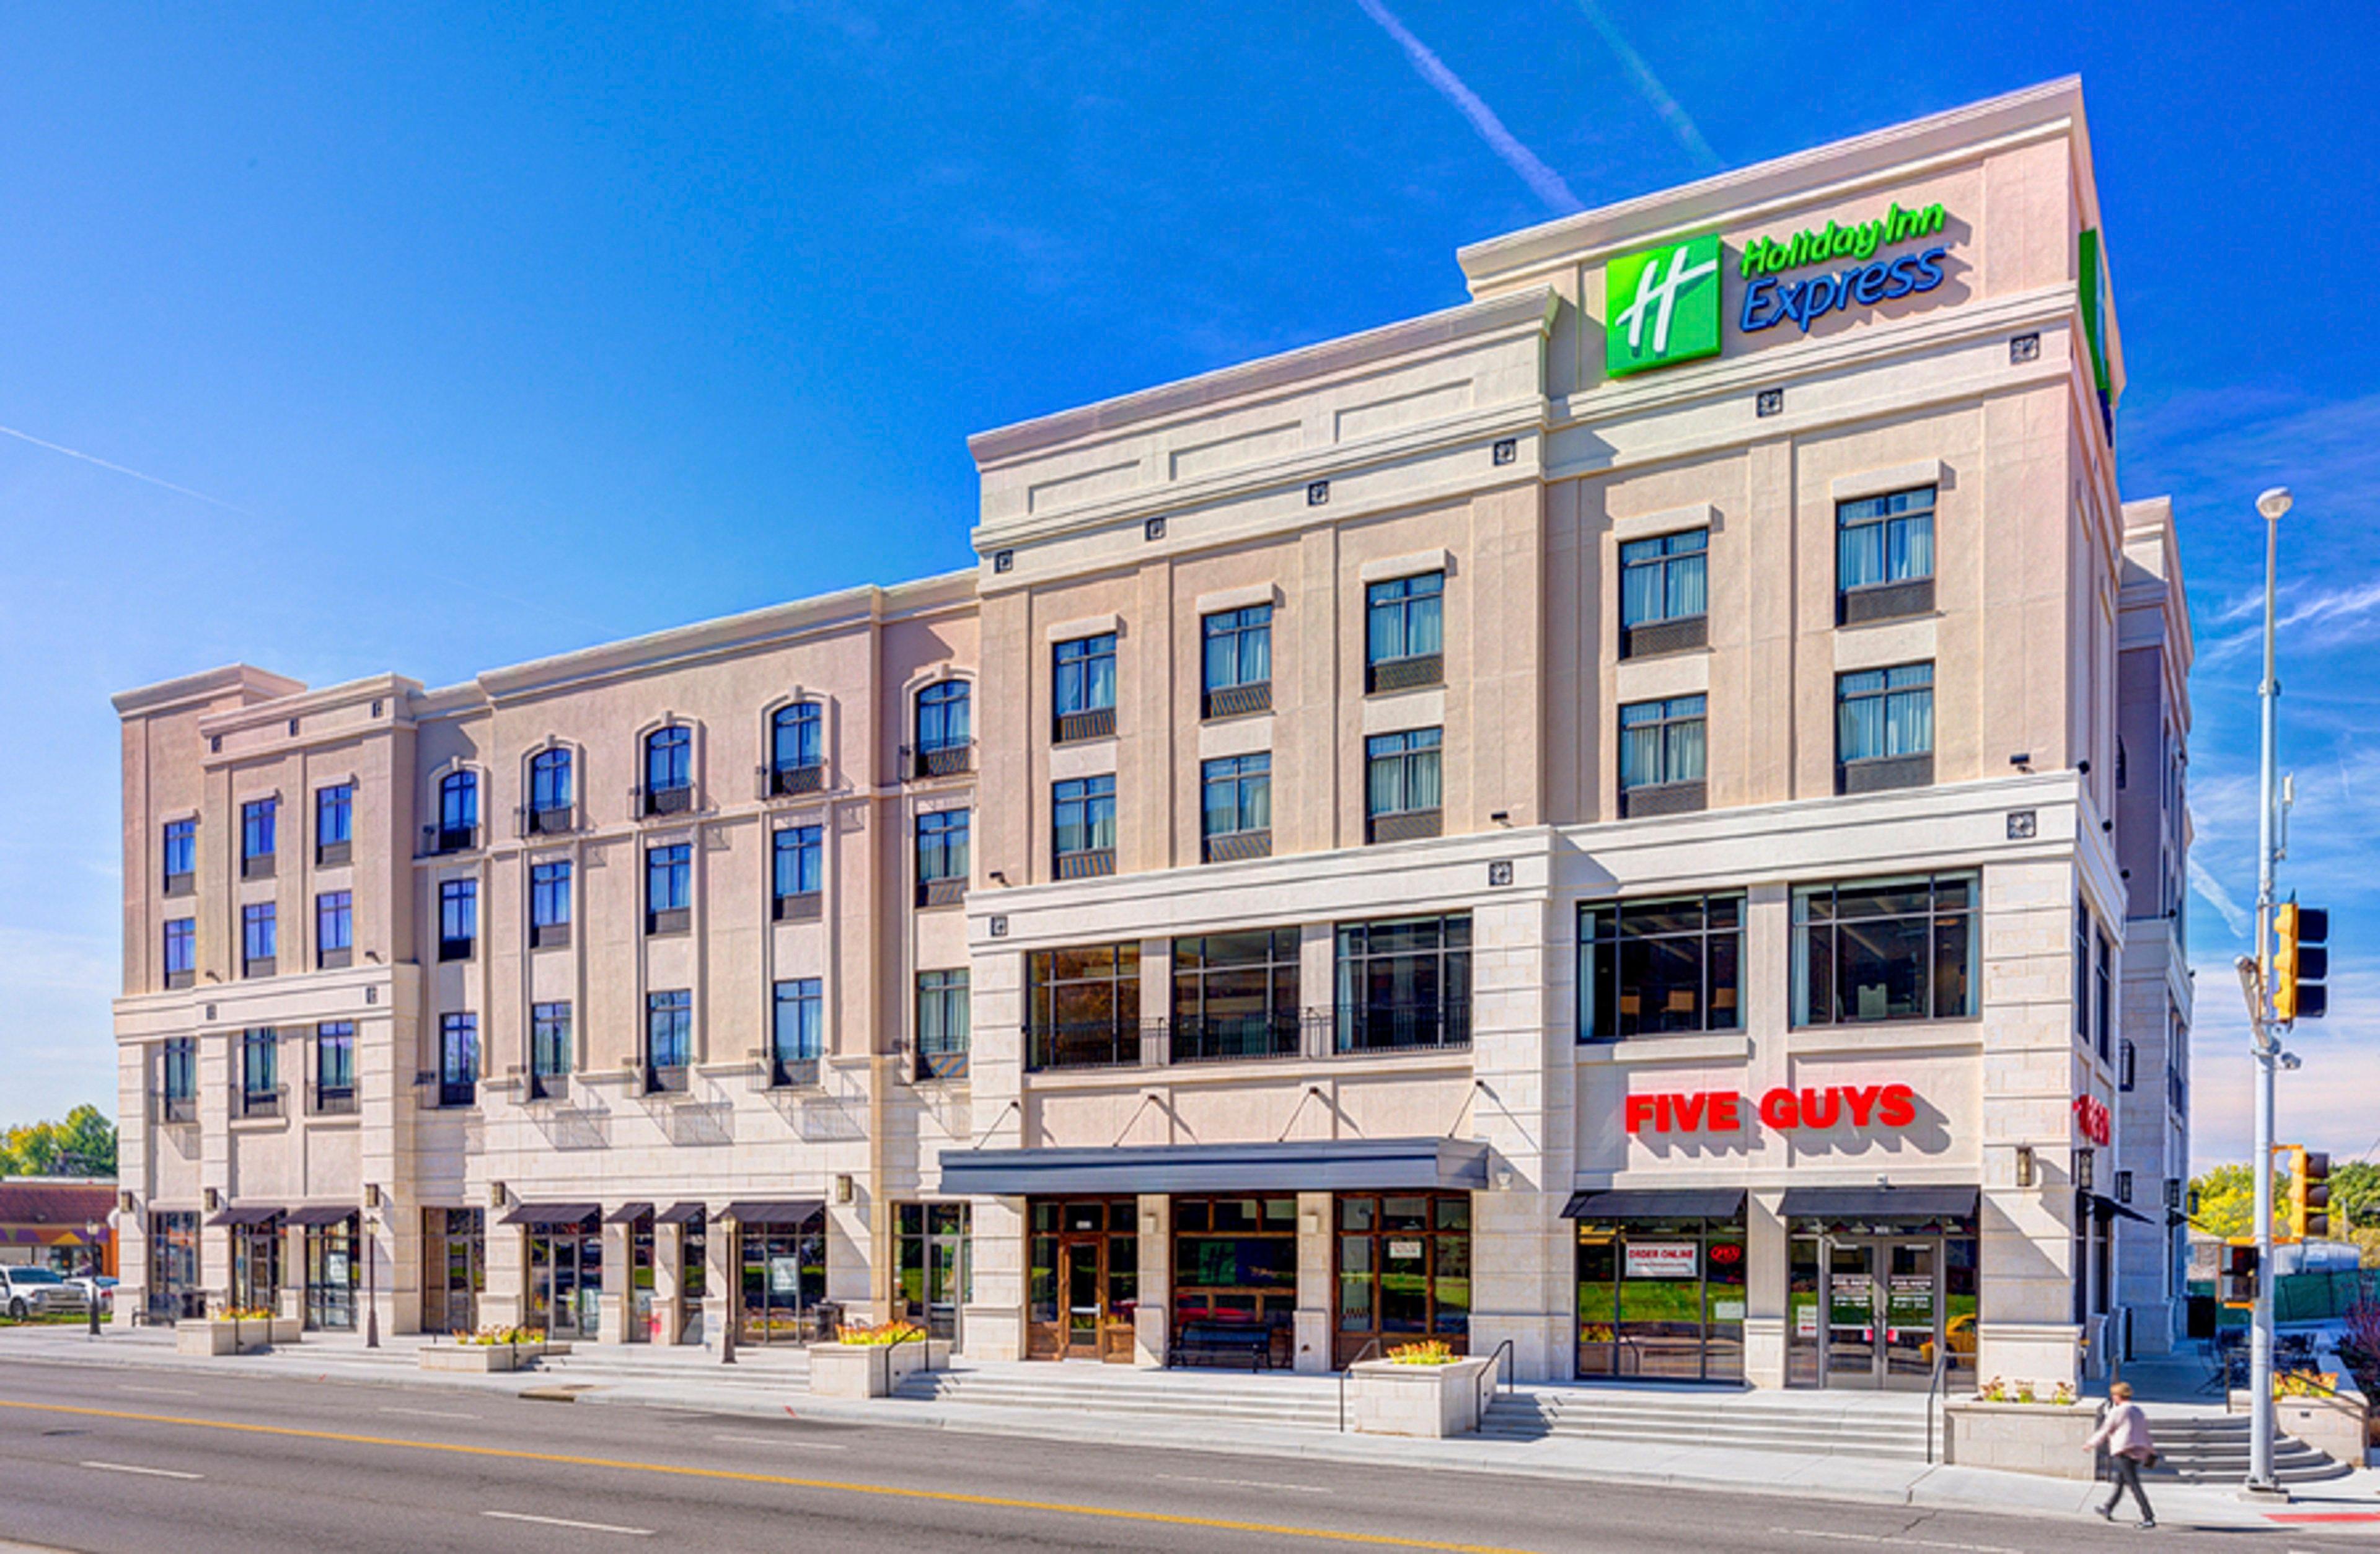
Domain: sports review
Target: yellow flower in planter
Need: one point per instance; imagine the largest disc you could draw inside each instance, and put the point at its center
(1429, 1352)
(883, 1336)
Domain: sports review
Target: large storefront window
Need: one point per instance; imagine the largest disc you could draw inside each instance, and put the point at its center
(1651, 967)
(565, 1277)
(173, 1289)
(1405, 983)
(332, 1276)
(935, 1274)
(256, 1265)
(784, 1278)
(1662, 1300)
(1083, 1006)
(1901, 949)
(1404, 1272)
(1084, 1282)
(1236, 1260)
(454, 1269)
(1236, 996)
(1874, 1304)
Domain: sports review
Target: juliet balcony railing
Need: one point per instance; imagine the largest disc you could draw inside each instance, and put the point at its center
(1216, 1038)
(1401, 1028)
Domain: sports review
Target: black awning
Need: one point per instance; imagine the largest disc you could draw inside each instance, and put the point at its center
(1657, 1203)
(629, 1214)
(246, 1214)
(679, 1214)
(774, 1211)
(2108, 1209)
(549, 1216)
(315, 1216)
(1308, 1164)
(1881, 1203)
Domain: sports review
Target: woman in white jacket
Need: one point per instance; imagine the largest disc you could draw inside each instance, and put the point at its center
(2125, 1433)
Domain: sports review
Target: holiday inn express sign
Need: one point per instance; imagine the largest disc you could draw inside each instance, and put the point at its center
(1662, 305)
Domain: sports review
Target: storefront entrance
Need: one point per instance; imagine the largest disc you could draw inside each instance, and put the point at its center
(1236, 1260)
(565, 1279)
(331, 1276)
(931, 1264)
(1086, 1279)
(783, 1278)
(1404, 1272)
(1867, 1308)
(1662, 1300)
(456, 1268)
(256, 1265)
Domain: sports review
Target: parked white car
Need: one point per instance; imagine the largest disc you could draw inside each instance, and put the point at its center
(36, 1291)
(100, 1285)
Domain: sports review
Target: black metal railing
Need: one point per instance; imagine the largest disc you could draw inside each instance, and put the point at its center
(1236, 701)
(449, 839)
(1404, 673)
(667, 801)
(174, 1108)
(551, 821)
(810, 779)
(939, 760)
(1087, 1044)
(1213, 1038)
(334, 1100)
(261, 1103)
(1094, 723)
(459, 1092)
(1398, 1027)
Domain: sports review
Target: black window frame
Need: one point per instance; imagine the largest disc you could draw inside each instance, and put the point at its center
(180, 843)
(795, 718)
(458, 811)
(942, 1054)
(459, 1058)
(1234, 692)
(668, 769)
(259, 837)
(795, 1067)
(1673, 789)
(1404, 596)
(1367, 1023)
(550, 910)
(670, 1010)
(553, 788)
(1242, 775)
(1808, 925)
(335, 822)
(552, 1046)
(1075, 669)
(941, 849)
(1621, 938)
(335, 927)
(1053, 1040)
(181, 934)
(335, 1066)
(1212, 969)
(1889, 594)
(1085, 796)
(259, 1071)
(669, 888)
(260, 938)
(797, 844)
(178, 1079)
(458, 919)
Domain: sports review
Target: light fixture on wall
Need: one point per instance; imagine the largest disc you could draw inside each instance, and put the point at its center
(2027, 1170)
(371, 1195)
(2084, 1167)
(1501, 817)
(843, 1186)
(495, 1195)
(124, 1201)
(997, 878)
(214, 1201)
(2023, 761)
(1505, 1175)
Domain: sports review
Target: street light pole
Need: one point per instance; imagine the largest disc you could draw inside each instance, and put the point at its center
(372, 1292)
(2272, 505)
(91, 1247)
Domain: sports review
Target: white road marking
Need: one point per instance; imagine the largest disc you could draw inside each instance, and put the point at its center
(1896, 1540)
(431, 1413)
(151, 1472)
(785, 1440)
(559, 1521)
(158, 1391)
(1246, 1483)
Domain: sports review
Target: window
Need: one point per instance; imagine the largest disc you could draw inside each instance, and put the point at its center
(1400, 785)
(177, 1080)
(1083, 1006)
(669, 888)
(942, 735)
(1661, 756)
(1235, 817)
(797, 748)
(1084, 689)
(1884, 555)
(669, 1036)
(1404, 982)
(2102, 1001)
(335, 1066)
(1884, 728)
(458, 811)
(1083, 814)
(1898, 949)
(942, 1025)
(669, 769)
(548, 1048)
(2128, 1063)
(181, 950)
(259, 939)
(1653, 967)
(2081, 971)
(794, 1033)
(181, 856)
(1664, 593)
(335, 809)
(549, 905)
(1238, 672)
(334, 929)
(459, 1059)
(256, 839)
(942, 857)
(260, 1072)
(1236, 996)
(1404, 632)
(458, 918)
(798, 871)
(549, 791)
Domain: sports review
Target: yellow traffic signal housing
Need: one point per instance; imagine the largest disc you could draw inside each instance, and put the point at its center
(2309, 1193)
(2301, 961)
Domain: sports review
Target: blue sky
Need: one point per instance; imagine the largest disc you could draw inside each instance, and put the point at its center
(432, 338)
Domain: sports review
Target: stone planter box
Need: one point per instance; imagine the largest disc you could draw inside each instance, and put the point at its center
(1388, 1399)
(871, 1371)
(2037, 1438)
(2339, 1428)
(480, 1359)
(210, 1336)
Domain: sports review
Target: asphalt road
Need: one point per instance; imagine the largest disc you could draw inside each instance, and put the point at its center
(102, 1460)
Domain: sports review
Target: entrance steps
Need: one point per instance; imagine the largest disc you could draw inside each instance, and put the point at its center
(2214, 1450)
(1280, 1399)
(1880, 1426)
(775, 1369)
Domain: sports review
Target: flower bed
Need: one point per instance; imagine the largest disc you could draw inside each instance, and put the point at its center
(489, 1351)
(236, 1332)
(870, 1362)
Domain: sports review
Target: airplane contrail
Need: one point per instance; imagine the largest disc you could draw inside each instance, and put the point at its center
(1544, 180)
(135, 474)
(1650, 85)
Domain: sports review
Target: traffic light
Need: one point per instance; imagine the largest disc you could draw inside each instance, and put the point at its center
(2235, 1281)
(2309, 1193)
(2301, 961)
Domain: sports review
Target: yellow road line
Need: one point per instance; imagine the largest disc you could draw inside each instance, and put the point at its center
(946, 1497)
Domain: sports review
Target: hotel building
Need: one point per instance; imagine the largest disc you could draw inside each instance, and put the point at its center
(1640, 816)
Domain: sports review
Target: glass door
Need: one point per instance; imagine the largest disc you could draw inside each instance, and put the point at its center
(1082, 1277)
(1850, 1347)
(331, 1276)
(1912, 1308)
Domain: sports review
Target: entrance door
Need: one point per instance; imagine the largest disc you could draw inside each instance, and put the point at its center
(1912, 1312)
(1082, 1277)
(1084, 1285)
(1884, 1312)
(455, 1271)
(1851, 1314)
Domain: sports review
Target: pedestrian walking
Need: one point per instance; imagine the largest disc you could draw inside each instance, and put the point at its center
(2124, 1431)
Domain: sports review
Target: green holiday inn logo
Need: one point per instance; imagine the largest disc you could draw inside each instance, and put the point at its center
(1661, 306)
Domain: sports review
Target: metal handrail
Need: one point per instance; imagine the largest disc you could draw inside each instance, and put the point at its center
(1933, 1386)
(1504, 1357)
(1371, 1347)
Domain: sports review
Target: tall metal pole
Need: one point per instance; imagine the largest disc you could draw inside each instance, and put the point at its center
(2272, 505)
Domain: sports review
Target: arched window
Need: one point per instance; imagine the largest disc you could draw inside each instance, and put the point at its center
(942, 733)
(458, 811)
(549, 791)
(796, 748)
(669, 769)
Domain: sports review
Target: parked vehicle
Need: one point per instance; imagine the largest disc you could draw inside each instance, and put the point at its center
(36, 1291)
(101, 1286)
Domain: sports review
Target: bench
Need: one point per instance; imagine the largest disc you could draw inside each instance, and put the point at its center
(1222, 1342)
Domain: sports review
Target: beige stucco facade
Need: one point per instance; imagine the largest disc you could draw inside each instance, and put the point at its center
(1480, 457)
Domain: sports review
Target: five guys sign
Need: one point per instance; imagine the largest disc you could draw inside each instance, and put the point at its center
(1884, 1106)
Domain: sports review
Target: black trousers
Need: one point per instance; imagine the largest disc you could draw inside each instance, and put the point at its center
(2126, 1475)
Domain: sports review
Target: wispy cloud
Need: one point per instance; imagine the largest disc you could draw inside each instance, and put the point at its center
(2210, 891)
(1546, 183)
(1650, 86)
(2317, 616)
(120, 470)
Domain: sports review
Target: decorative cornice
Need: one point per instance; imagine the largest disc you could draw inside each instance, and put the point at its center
(166, 694)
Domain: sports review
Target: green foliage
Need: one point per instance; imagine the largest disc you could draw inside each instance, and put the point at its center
(2226, 1201)
(2226, 1204)
(84, 1145)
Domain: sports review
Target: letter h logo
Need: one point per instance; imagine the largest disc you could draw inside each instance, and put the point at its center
(1661, 306)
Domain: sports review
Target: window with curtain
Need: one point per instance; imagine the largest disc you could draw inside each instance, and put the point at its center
(1905, 947)
(549, 894)
(181, 950)
(181, 849)
(1665, 578)
(942, 1025)
(549, 1039)
(1237, 794)
(259, 1063)
(669, 878)
(1885, 714)
(549, 782)
(942, 845)
(259, 936)
(1086, 671)
(459, 1059)
(796, 736)
(1661, 742)
(333, 814)
(669, 1028)
(799, 866)
(669, 759)
(1082, 813)
(795, 1032)
(334, 921)
(335, 1063)
(942, 715)
(1404, 619)
(255, 826)
(1238, 646)
(1651, 967)
(1885, 540)
(458, 918)
(458, 801)
(178, 1074)
(1404, 982)
(1400, 771)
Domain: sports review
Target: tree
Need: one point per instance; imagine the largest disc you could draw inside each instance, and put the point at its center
(84, 1145)
(2226, 1204)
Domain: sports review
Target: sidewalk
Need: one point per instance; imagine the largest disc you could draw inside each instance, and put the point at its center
(772, 1384)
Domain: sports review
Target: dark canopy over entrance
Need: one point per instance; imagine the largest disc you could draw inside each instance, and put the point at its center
(1302, 1165)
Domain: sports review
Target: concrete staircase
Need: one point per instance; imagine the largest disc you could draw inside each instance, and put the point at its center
(1883, 1428)
(1282, 1401)
(2214, 1450)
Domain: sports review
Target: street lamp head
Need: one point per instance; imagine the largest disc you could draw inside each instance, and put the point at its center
(2274, 502)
